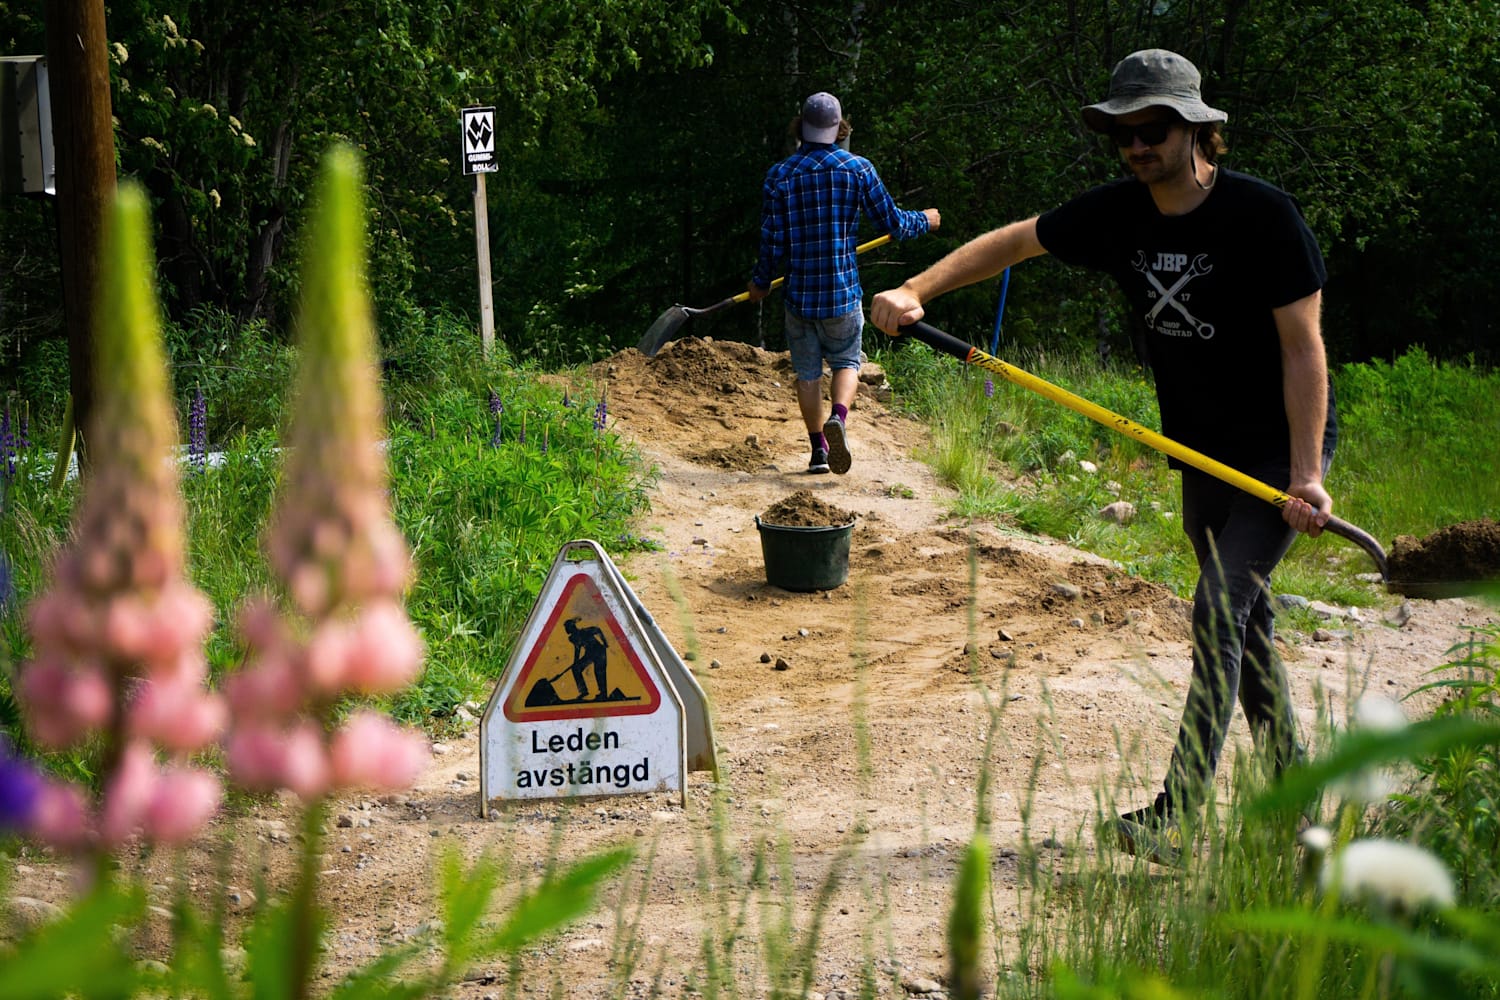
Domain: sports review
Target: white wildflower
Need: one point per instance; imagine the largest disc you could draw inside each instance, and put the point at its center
(213, 196)
(1387, 872)
(247, 138)
(234, 123)
(1316, 839)
(121, 53)
(151, 142)
(1372, 713)
(210, 110)
(170, 25)
(1378, 714)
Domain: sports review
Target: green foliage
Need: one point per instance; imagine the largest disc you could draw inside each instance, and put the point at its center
(1409, 457)
(1408, 461)
(77, 955)
(1459, 812)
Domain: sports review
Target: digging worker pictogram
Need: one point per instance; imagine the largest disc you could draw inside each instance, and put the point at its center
(1241, 376)
(589, 649)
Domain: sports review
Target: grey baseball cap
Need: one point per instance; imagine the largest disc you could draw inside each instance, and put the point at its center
(1152, 78)
(821, 115)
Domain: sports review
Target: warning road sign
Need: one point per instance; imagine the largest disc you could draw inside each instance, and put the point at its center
(593, 700)
(582, 666)
(478, 140)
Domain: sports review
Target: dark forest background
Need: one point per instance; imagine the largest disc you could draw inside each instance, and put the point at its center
(634, 134)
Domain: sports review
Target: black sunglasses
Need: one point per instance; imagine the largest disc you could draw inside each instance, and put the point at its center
(1150, 133)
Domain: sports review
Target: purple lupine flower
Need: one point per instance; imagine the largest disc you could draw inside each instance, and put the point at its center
(20, 787)
(601, 414)
(545, 440)
(198, 433)
(7, 445)
(989, 388)
(23, 434)
(497, 409)
(567, 400)
(522, 438)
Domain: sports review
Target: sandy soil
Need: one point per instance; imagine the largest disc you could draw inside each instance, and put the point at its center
(859, 757)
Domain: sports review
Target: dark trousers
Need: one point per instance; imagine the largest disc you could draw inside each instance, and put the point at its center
(1238, 540)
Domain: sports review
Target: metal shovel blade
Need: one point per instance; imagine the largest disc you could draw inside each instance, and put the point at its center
(663, 330)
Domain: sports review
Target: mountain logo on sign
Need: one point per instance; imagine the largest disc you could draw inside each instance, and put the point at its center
(480, 133)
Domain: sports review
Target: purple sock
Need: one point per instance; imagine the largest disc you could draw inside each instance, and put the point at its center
(841, 411)
(819, 443)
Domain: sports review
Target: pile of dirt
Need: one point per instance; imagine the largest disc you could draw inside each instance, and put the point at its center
(747, 456)
(1467, 552)
(803, 510)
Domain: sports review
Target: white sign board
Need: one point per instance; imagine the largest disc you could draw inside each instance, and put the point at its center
(585, 706)
(478, 139)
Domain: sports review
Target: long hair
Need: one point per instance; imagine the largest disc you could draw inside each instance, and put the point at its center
(1210, 140)
(794, 132)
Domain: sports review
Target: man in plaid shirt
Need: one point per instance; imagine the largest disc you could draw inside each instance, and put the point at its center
(809, 228)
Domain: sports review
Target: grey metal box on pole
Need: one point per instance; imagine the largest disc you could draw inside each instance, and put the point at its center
(27, 162)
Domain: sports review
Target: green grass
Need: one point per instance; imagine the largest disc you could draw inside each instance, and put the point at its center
(1413, 456)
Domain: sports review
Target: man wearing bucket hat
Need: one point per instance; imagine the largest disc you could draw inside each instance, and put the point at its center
(1226, 278)
(809, 227)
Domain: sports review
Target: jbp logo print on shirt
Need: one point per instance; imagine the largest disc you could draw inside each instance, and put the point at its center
(1180, 271)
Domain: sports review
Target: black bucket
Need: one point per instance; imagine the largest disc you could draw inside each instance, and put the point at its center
(800, 558)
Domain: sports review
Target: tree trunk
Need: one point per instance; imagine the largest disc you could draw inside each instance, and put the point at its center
(83, 136)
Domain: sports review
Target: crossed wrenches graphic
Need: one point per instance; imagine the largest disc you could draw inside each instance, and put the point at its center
(1197, 267)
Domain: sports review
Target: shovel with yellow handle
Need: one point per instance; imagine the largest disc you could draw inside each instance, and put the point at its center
(969, 355)
(669, 322)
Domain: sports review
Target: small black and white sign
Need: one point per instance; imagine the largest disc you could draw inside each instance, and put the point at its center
(479, 141)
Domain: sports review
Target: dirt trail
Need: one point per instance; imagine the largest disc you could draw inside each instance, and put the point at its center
(862, 753)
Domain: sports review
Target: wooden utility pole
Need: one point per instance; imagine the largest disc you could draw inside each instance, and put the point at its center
(83, 137)
(482, 253)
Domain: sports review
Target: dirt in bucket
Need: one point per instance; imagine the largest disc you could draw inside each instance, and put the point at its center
(803, 510)
(1467, 553)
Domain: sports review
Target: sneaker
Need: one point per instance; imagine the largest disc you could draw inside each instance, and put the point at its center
(819, 463)
(839, 459)
(1151, 833)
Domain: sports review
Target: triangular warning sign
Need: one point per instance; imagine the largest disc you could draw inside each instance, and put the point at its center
(582, 665)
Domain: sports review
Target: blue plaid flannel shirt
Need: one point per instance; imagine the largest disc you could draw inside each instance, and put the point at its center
(810, 222)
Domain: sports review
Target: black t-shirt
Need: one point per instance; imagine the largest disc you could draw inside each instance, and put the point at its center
(1203, 285)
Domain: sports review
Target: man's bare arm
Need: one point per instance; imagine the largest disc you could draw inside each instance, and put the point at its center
(1304, 377)
(982, 257)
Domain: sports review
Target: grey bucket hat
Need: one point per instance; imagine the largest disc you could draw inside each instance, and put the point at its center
(1152, 78)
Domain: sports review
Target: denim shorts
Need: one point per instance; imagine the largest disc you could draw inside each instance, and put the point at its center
(812, 341)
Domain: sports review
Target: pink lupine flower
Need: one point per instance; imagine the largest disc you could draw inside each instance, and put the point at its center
(60, 816)
(305, 767)
(127, 793)
(271, 689)
(118, 619)
(185, 800)
(372, 752)
(331, 543)
(255, 754)
(64, 703)
(176, 715)
(385, 652)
